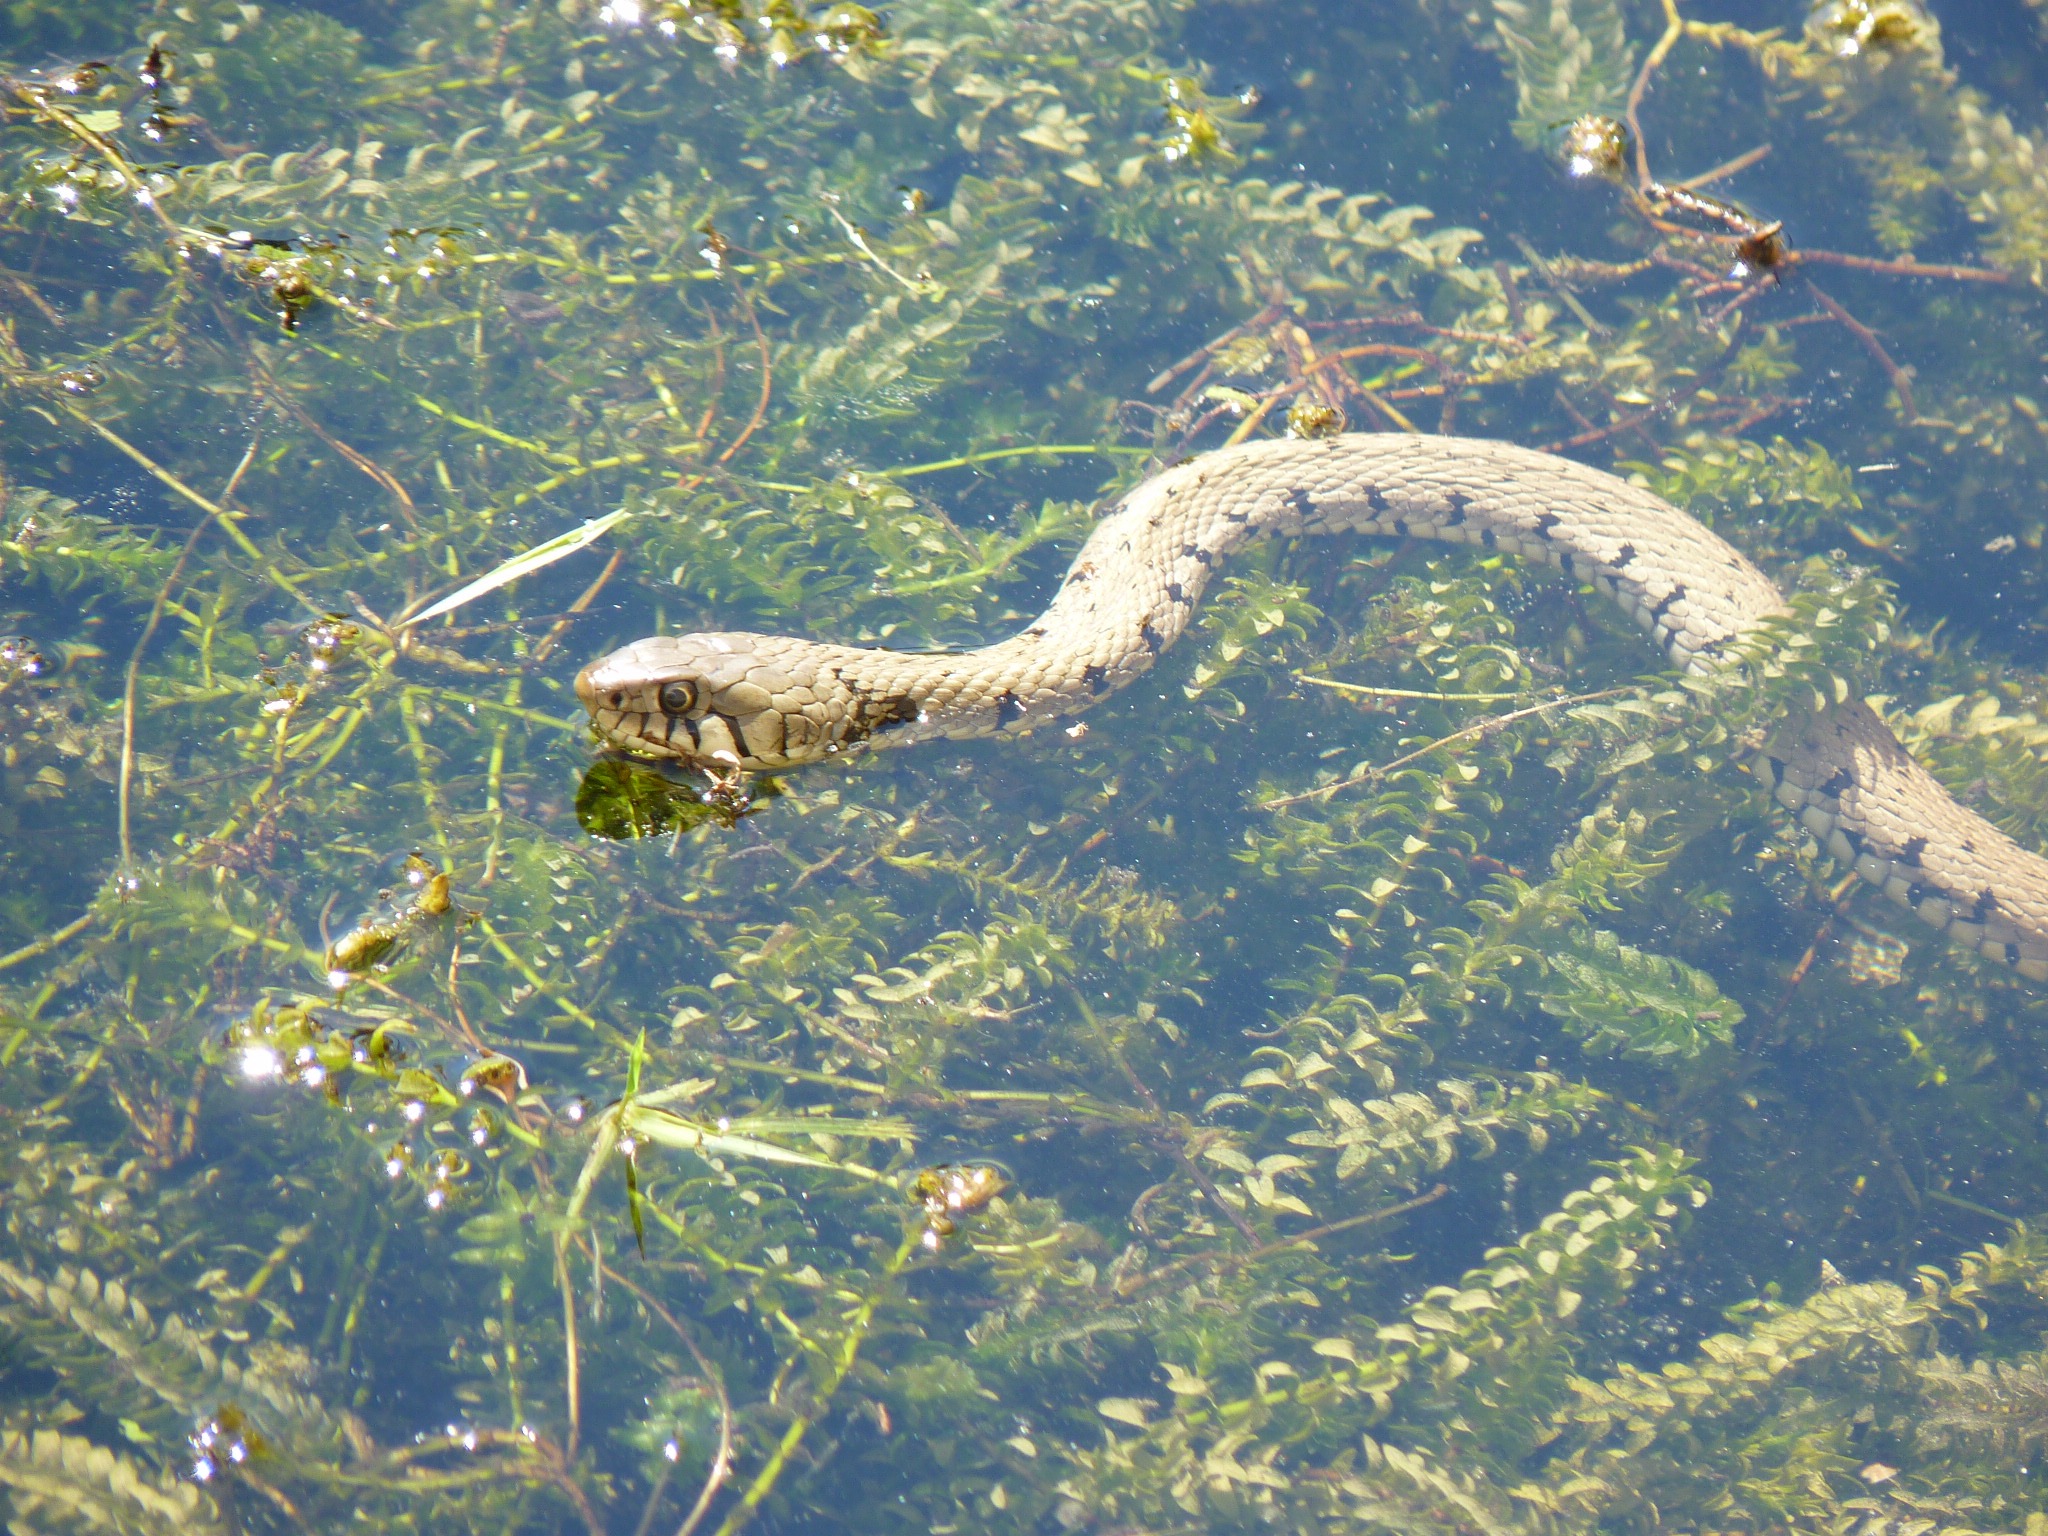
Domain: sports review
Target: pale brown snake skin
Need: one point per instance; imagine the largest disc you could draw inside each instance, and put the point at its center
(746, 701)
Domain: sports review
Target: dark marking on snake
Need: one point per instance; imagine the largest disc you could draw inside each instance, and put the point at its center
(1488, 495)
(879, 715)
(1916, 893)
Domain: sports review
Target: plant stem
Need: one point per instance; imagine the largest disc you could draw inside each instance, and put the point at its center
(842, 1361)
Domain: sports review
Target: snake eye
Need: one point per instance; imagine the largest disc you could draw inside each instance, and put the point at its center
(678, 698)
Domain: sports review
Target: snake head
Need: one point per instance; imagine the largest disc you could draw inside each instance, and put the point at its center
(715, 701)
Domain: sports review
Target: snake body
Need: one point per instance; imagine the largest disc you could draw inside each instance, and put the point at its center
(748, 701)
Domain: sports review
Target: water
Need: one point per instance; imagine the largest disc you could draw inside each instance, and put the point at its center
(1046, 1135)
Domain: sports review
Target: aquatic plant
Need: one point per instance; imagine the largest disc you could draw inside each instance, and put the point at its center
(1391, 1075)
(1571, 59)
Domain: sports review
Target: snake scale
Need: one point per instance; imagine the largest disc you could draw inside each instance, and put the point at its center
(747, 701)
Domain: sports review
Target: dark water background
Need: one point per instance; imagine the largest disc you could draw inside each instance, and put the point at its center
(331, 1199)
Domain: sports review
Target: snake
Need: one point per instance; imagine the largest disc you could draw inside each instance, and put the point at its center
(735, 701)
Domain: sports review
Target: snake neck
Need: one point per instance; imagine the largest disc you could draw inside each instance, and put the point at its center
(1132, 590)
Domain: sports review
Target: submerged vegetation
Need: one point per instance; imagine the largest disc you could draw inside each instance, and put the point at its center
(1390, 1075)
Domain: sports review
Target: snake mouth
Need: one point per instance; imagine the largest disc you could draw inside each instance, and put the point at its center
(627, 733)
(661, 720)
(616, 721)
(588, 696)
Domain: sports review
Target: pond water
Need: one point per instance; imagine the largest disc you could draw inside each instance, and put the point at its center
(1387, 1069)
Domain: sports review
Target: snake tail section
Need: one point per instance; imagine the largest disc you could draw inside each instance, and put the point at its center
(748, 701)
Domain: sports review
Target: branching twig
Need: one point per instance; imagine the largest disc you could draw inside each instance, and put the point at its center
(156, 614)
(721, 1459)
(1227, 1261)
(1868, 339)
(839, 1366)
(1484, 727)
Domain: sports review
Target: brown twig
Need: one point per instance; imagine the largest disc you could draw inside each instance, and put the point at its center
(1423, 355)
(1725, 169)
(572, 1384)
(1592, 435)
(1188, 1165)
(1763, 410)
(1137, 1283)
(717, 375)
(131, 683)
(1511, 295)
(1868, 338)
(1273, 311)
(1837, 910)
(1448, 378)
(767, 377)
(1674, 29)
(219, 513)
(556, 1465)
(1750, 237)
(1484, 727)
(1883, 1136)
(811, 871)
(553, 637)
(1891, 268)
(721, 1460)
(361, 461)
(1557, 286)
(455, 999)
(1386, 408)
(1259, 412)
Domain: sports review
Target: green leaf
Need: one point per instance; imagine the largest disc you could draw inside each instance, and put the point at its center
(1623, 1000)
(526, 563)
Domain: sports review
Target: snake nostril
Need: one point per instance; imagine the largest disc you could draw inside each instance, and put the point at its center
(618, 701)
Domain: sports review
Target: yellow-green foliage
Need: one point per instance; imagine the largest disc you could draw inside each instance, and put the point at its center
(1570, 58)
(1287, 1099)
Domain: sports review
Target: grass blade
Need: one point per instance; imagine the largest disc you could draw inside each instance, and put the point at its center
(523, 564)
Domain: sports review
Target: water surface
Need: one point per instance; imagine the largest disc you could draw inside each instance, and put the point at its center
(1455, 1101)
